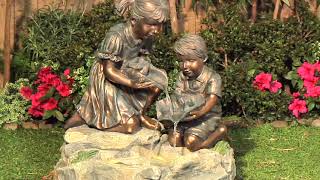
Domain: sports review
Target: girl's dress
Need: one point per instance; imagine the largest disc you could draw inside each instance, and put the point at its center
(106, 104)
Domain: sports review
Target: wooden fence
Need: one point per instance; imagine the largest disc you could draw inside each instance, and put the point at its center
(22, 9)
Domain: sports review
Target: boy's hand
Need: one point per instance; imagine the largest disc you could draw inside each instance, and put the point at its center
(194, 115)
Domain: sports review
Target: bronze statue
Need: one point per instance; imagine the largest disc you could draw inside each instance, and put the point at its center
(122, 83)
(195, 105)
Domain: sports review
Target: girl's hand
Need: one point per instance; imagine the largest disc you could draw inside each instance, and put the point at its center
(143, 85)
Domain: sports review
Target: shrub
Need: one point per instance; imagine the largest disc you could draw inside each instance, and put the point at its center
(240, 50)
(13, 108)
(62, 39)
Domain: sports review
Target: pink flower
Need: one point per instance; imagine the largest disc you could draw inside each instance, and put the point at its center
(66, 72)
(275, 86)
(296, 94)
(26, 92)
(262, 81)
(298, 106)
(50, 104)
(306, 71)
(313, 91)
(311, 82)
(64, 90)
(317, 66)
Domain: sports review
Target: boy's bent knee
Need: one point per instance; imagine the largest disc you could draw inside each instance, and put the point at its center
(223, 129)
(192, 142)
(156, 90)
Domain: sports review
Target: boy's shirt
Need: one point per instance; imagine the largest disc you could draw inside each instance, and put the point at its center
(208, 82)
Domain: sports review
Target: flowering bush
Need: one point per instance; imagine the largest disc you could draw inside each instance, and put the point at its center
(50, 94)
(306, 79)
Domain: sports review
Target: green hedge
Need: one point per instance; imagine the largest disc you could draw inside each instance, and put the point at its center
(62, 39)
(265, 46)
(238, 50)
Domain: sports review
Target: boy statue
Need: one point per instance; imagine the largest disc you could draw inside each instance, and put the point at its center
(122, 83)
(195, 104)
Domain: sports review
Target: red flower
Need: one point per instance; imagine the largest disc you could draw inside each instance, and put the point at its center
(306, 71)
(298, 106)
(50, 104)
(43, 72)
(262, 81)
(49, 78)
(71, 81)
(64, 90)
(56, 82)
(35, 98)
(275, 86)
(66, 72)
(296, 94)
(43, 88)
(26, 92)
(35, 111)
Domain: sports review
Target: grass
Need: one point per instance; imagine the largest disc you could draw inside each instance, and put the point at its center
(28, 154)
(269, 153)
(261, 153)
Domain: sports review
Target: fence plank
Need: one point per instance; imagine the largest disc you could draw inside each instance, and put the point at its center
(2, 21)
(12, 24)
(34, 5)
(24, 8)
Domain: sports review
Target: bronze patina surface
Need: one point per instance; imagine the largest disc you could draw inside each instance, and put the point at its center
(123, 83)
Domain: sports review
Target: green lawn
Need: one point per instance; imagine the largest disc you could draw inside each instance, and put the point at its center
(28, 154)
(268, 153)
(261, 153)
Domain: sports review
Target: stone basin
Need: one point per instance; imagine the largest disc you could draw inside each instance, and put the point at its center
(90, 154)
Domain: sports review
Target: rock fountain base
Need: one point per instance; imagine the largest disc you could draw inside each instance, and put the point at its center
(91, 154)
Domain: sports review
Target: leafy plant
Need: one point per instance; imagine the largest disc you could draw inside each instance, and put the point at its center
(240, 50)
(62, 39)
(13, 108)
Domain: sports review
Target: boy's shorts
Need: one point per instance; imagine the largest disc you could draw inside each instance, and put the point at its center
(201, 127)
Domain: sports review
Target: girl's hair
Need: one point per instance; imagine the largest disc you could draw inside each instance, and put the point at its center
(149, 9)
(192, 46)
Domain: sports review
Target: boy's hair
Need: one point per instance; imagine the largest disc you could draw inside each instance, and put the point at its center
(192, 46)
(157, 10)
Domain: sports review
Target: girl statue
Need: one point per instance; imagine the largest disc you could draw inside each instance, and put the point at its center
(122, 83)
